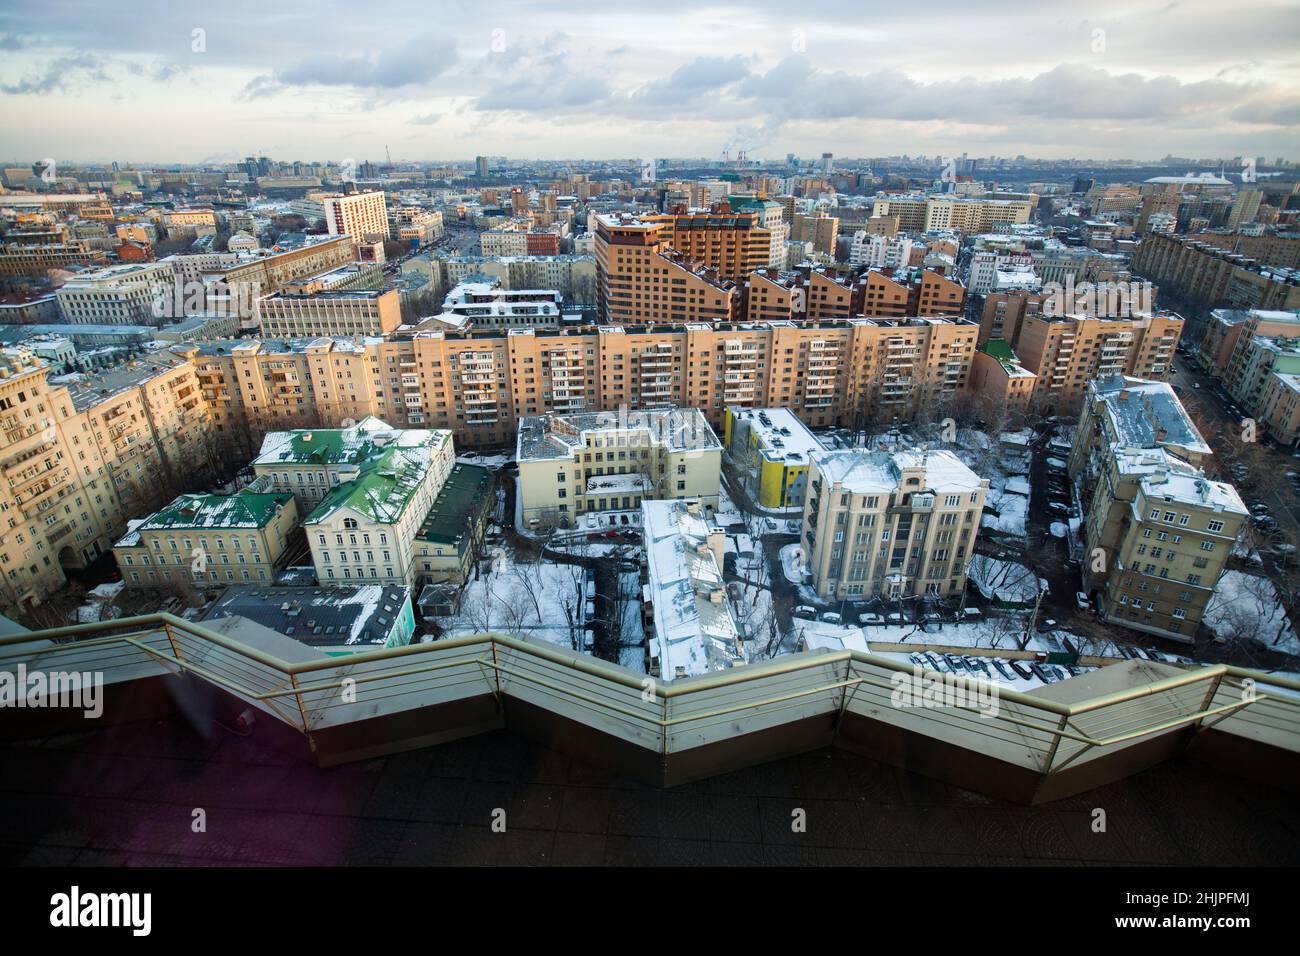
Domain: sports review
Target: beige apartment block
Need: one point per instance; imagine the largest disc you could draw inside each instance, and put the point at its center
(208, 541)
(1068, 352)
(81, 459)
(967, 214)
(1255, 358)
(1126, 412)
(890, 524)
(127, 294)
(1280, 407)
(571, 465)
(642, 280)
(318, 314)
(1227, 326)
(359, 215)
(1157, 532)
(1205, 273)
(479, 383)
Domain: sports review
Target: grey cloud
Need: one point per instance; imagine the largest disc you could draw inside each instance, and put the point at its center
(60, 75)
(414, 63)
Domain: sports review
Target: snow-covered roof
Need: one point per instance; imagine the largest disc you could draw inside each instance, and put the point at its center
(1194, 489)
(1145, 414)
(695, 629)
(865, 472)
(780, 432)
(553, 437)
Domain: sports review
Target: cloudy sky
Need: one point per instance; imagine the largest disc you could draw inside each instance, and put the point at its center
(176, 81)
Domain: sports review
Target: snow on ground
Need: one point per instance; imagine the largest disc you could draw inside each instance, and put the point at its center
(1012, 510)
(727, 512)
(1247, 606)
(1002, 633)
(1018, 485)
(1003, 580)
(487, 461)
(510, 596)
(792, 563)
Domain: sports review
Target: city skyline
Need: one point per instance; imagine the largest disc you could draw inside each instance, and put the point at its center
(523, 80)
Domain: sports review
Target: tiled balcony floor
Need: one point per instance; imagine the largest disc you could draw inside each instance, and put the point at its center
(125, 795)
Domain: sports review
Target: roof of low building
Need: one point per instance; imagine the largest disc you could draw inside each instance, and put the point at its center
(246, 509)
(318, 616)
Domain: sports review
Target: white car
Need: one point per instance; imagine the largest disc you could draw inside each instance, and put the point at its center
(1081, 599)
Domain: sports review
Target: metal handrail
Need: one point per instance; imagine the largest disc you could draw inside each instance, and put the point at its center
(129, 631)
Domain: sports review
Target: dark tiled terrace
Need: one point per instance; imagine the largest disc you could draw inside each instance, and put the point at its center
(124, 796)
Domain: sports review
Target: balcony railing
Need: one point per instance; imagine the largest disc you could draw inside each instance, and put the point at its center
(672, 721)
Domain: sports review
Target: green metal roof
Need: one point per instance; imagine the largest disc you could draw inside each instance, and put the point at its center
(999, 349)
(381, 492)
(451, 515)
(243, 510)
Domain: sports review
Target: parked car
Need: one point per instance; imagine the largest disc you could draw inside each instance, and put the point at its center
(955, 664)
(1022, 671)
(830, 617)
(975, 664)
(1081, 601)
(806, 612)
(869, 618)
(1005, 671)
(1043, 674)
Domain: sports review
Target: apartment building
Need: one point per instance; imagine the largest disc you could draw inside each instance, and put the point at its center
(324, 314)
(642, 280)
(770, 216)
(820, 229)
(1279, 407)
(118, 295)
(207, 541)
(359, 215)
(80, 459)
(1157, 532)
(613, 461)
(1203, 273)
(233, 282)
(1066, 352)
(489, 305)
(37, 259)
(890, 524)
(1227, 327)
(689, 623)
(574, 277)
(1128, 412)
(772, 449)
(1280, 249)
(731, 242)
(1255, 359)
(969, 215)
(880, 251)
(479, 383)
